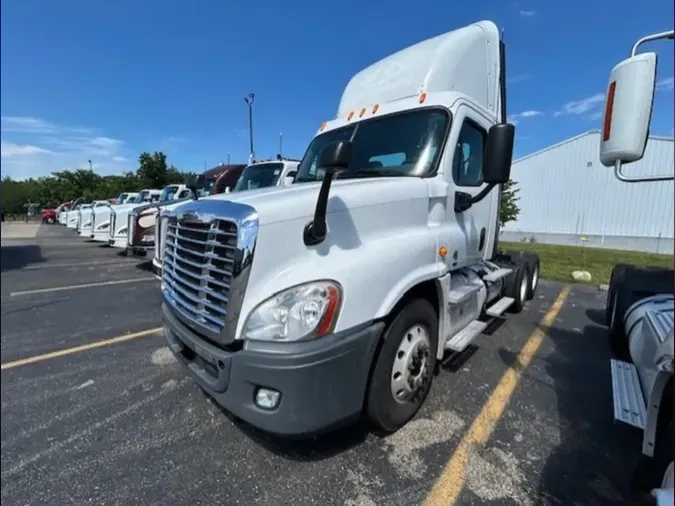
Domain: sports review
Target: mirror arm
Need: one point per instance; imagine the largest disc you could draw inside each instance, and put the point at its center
(618, 173)
(464, 201)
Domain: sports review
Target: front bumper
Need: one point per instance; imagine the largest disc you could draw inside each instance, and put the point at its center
(118, 242)
(103, 236)
(322, 383)
(157, 268)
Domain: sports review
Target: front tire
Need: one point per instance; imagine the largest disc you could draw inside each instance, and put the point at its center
(404, 367)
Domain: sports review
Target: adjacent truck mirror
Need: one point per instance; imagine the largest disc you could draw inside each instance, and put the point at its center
(193, 183)
(498, 153)
(335, 156)
(628, 110)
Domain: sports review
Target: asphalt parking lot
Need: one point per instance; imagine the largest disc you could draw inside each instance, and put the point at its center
(526, 419)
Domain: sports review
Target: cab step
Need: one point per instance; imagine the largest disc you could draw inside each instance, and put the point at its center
(461, 293)
(629, 405)
(493, 276)
(498, 308)
(464, 337)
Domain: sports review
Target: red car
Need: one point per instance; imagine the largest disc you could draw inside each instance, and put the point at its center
(49, 216)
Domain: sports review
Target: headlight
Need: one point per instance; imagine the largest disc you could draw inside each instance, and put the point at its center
(303, 312)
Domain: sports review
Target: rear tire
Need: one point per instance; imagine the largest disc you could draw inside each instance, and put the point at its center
(618, 272)
(517, 284)
(405, 363)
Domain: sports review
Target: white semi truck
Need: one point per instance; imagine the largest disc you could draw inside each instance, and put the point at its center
(300, 309)
(117, 228)
(100, 226)
(84, 225)
(640, 300)
(260, 174)
(73, 220)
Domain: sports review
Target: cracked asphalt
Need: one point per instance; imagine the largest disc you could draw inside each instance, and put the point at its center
(123, 424)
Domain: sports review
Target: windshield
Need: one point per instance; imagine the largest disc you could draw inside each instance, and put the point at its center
(259, 176)
(141, 197)
(405, 144)
(121, 198)
(168, 193)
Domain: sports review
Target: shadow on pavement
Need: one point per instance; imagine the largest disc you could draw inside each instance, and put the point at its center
(20, 256)
(309, 449)
(593, 463)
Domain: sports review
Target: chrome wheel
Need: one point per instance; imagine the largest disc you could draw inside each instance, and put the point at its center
(523, 289)
(411, 364)
(535, 279)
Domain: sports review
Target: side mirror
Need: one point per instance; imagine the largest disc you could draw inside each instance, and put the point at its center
(628, 110)
(498, 153)
(335, 156)
(193, 183)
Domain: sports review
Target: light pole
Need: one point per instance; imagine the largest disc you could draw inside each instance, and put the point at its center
(91, 168)
(249, 101)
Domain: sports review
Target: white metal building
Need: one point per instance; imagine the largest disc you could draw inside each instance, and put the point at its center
(568, 197)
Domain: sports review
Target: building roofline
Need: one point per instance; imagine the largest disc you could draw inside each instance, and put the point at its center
(576, 137)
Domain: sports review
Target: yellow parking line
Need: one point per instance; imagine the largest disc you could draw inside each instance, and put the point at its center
(451, 481)
(77, 349)
(75, 287)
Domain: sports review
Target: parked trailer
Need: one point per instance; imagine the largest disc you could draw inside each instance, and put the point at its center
(640, 301)
(260, 174)
(299, 309)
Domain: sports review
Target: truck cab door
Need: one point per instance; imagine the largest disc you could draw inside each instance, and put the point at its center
(476, 224)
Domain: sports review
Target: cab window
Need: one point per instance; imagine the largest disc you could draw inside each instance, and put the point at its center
(467, 164)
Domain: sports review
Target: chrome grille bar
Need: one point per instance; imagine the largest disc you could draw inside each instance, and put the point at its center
(197, 266)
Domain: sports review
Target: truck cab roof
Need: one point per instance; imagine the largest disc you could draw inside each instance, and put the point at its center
(454, 62)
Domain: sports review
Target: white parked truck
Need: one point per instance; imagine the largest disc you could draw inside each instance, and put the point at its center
(119, 217)
(100, 230)
(73, 220)
(84, 227)
(640, 300)
(260, 174)
(141, 220)
(300, 309)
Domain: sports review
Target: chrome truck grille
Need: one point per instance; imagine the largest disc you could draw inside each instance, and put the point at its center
(112, 224)
(207, 253)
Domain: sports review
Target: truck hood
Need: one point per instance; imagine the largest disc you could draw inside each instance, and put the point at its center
(285, 203)
(125, 208)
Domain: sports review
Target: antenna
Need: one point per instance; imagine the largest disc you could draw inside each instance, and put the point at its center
(281, 141)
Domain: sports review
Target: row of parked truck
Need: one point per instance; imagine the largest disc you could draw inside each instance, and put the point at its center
(128, 222)
(302, 309)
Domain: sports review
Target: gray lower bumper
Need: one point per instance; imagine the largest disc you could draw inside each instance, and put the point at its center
(322, 383)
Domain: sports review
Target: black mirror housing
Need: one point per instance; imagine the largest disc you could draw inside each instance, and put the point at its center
(499, 153)
(336, 156)
(193, 182)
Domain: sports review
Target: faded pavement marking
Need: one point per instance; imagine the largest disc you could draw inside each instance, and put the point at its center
(449, 485)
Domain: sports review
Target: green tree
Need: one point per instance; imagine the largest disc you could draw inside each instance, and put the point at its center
(509, 210)
(152, 170)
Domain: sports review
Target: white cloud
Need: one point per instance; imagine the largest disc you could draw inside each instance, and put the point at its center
(34, 147)
(665, 84)
(10, 149)
(515, 118)
(583, 106)
(527, 14)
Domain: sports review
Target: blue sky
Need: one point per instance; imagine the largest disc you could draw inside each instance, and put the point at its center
(105, 80)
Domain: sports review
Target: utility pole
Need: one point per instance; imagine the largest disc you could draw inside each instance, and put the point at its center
(249, 101)
(91, 168)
